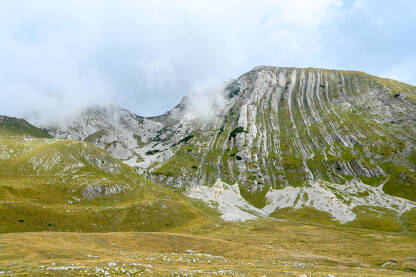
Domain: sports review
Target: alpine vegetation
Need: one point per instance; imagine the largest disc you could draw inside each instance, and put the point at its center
(335, 141)
(282, 170)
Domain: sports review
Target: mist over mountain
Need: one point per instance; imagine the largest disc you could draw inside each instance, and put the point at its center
(207, 138)
(274, 138)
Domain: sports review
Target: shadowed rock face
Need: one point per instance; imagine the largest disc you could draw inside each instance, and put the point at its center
(283, 127)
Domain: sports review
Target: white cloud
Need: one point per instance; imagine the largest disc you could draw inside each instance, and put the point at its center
(360, 5)
(206, 100)
(145, 55)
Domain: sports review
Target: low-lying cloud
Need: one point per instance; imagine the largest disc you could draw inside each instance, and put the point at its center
(206, 100)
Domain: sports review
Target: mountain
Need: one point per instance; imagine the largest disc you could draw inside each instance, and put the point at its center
(67, 185)
(12, 126)
(126, 136)
(339, 142)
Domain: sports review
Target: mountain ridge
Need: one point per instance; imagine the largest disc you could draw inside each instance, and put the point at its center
(278, 128)
(49, 184)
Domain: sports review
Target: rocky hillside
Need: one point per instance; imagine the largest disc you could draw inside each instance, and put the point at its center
(333, 140)
(67, 185)
(126, 136)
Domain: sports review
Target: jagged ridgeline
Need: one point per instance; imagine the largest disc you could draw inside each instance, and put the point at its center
(288, 126)
(66, 185)
(337, 141)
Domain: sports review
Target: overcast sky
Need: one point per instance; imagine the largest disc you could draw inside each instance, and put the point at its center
(57, 56)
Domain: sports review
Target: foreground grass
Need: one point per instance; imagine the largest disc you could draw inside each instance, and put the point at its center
(267, 247)
(49, 186)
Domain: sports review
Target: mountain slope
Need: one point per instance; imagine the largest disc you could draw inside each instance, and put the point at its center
(332, 140)
(114, 129)
(285, 123)
(126, 136)
(67, 185)
(12, 126)
(328, 139)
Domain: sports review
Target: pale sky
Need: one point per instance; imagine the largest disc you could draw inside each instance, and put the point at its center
(58, 56)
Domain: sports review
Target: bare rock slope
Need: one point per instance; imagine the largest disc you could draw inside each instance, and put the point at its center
(283, 137)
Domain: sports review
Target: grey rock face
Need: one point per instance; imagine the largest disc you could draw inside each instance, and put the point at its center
(276, 127)
(95, 191)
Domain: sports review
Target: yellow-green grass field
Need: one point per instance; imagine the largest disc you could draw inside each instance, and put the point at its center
(268, 247)
(67, 208)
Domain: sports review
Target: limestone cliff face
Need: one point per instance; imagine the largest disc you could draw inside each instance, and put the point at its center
(289, 126)
(277, 128)
(117, 130)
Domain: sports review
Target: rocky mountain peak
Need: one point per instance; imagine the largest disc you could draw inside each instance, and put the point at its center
(280, 132)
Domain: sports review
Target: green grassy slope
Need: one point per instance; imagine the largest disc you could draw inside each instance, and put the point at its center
(65, 185)
(12, 126)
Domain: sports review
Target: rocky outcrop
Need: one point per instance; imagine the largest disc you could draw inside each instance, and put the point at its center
(119, 131)
(337, 200)
(297, 126)
(277, 128)
(96, 191)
